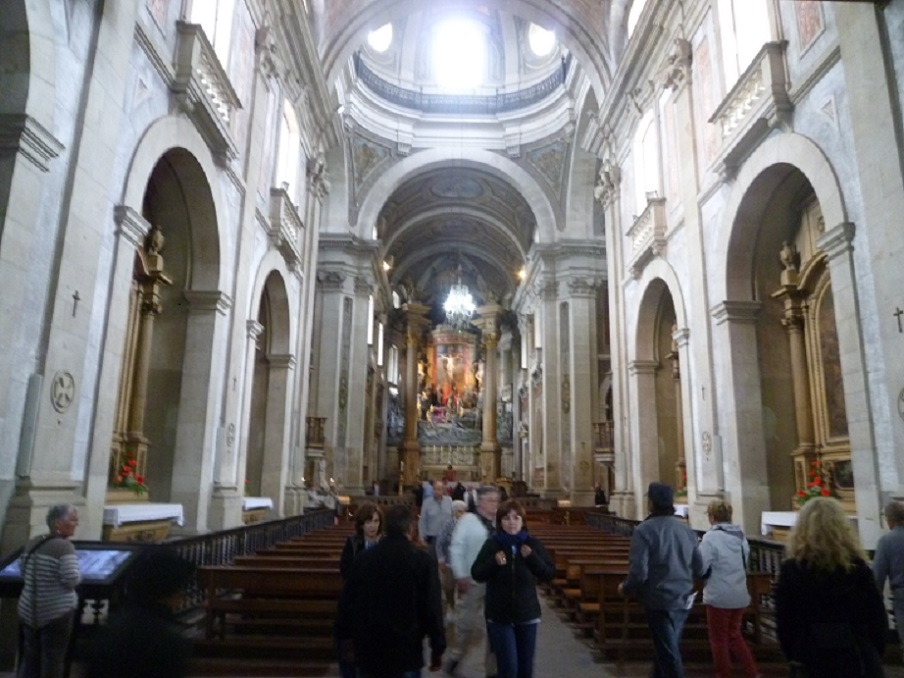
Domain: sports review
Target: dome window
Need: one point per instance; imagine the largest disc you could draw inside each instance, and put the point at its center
(380, 39)
(541, 41)
(459, 55)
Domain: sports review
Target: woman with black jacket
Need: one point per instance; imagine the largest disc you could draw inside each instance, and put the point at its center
(829, 613)
(511, 562)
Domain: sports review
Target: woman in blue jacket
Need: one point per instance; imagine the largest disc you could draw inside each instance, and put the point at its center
(511, 562)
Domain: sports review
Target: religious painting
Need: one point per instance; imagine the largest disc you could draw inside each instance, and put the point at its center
(809, 22)
(836, 413)
(454, 379)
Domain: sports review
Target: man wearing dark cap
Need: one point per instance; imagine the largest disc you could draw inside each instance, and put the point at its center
(663, 562)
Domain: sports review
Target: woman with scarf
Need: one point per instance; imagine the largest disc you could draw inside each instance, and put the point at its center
(510, 563)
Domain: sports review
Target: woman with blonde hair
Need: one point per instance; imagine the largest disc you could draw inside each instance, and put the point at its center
(829, 614)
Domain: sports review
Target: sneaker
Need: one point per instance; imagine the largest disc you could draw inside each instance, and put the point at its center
(450, 667)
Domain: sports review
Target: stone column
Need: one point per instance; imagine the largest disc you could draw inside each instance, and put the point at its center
(735, 349)
(645, 435)
(583, 370)
(411, 449)
(490, 452)
(276, 429)
(680, 462)
(793, 322)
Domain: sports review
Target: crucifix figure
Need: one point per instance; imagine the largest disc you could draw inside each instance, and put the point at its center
(897, 314)
(76, 298)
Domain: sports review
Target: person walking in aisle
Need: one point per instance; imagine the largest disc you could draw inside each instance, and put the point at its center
(435, 512)
(829, 614)
(510, 563)
(725, 551)
(888, 562)
(470, 533)
(390, 602)
(368, 530)
(662, 564)
(441, 548)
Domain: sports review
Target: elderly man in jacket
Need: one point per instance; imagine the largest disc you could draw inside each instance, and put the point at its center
(663, 561)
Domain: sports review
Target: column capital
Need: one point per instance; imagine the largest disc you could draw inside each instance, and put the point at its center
(736, 312)
(636, 367)
(681, 336)
(253, 329)
(130, 225)
(284, 361)
(201, 301)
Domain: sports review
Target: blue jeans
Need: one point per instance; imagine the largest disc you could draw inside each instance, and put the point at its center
(514, 646)
(666, 627)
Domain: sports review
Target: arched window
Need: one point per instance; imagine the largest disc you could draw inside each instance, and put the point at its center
(289, 151)
(215, 17)
(646, 161)
(744, 29)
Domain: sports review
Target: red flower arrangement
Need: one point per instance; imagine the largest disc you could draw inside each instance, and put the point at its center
(127, 478)
(817, 486)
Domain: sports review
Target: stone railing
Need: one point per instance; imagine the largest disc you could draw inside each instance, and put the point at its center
(647, 235)
(203, 90)
(758, 102)
(286, 228)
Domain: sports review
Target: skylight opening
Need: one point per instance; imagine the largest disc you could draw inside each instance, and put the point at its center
(380, 39)
(459, 55)
(541, 41)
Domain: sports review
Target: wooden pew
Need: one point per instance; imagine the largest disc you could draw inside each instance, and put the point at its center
(241, 598)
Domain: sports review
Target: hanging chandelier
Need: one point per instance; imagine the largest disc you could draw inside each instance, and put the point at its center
(459, 306)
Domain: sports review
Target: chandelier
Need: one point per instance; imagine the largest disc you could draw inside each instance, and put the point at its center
(459, 306)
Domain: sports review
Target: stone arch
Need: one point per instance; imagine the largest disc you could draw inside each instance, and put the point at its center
(764, 171)
(502, 167)
(286, 329)
(28, 29)
(268, 418)
(208, 204)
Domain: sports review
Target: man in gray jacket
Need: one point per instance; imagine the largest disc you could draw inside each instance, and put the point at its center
(889, 562)
(663, 561)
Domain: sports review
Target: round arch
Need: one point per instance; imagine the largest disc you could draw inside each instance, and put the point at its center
(493, 163)
(28, 28)
(764, 170)
(658, 278)
(161, 137)
(273, 275)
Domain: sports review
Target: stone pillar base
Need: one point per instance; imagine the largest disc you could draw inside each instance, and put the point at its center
(225, 510)
(27, 513)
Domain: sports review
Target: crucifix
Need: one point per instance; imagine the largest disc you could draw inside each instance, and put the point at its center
(897, 314)
(76, 298)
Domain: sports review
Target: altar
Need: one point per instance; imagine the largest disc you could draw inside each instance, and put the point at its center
(255, 509)
(777, 524)
(140, 522)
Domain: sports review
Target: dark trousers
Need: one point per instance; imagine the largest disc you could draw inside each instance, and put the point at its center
(44, 649)
(666, 627)
(514, 646)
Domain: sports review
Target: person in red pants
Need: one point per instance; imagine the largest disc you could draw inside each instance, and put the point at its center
(725, 552)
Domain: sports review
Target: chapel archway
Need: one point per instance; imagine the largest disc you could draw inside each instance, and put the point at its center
(779, 223)
(270, 394)
(657, 376)
(166, 328)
